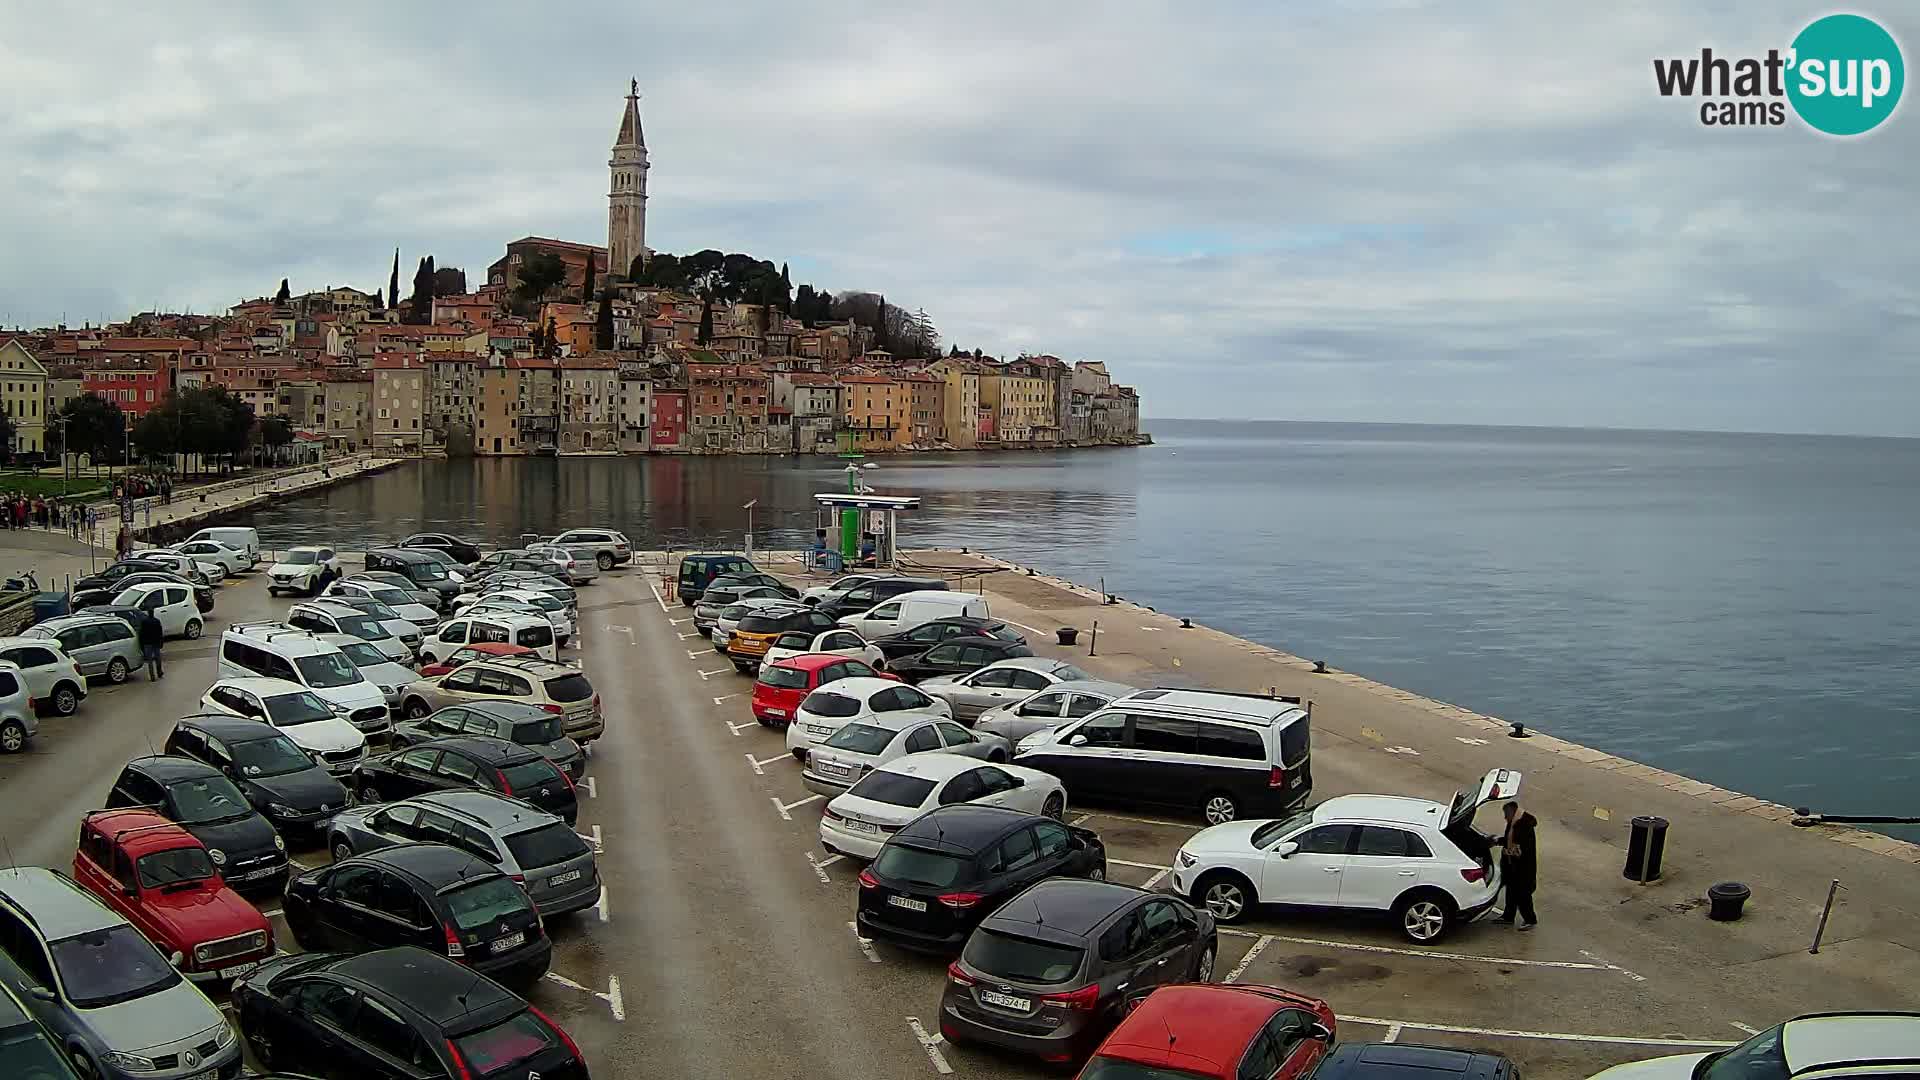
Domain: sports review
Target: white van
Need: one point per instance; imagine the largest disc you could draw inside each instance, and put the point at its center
(247, 540)
(908, 610)
(279, 651)
(529, 629)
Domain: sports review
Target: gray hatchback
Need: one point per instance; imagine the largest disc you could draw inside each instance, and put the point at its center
(102, 646)
(517, 722)
(539, 851)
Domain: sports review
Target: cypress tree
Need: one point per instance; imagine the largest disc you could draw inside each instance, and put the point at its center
(586, 290)
(706, 320)
(284, 294)
(603, 325)
(393, 283)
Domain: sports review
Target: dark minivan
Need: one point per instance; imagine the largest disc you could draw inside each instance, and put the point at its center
(427, 573)
(856, 600)
(696, 571)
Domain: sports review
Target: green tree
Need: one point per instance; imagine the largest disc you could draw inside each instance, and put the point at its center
(706, 320)
(552, 337)
(393, 283)
(603, 325)
(803, 303)
(159, 435)
(94, 426)
(275, 434)
(786, 289)
(586, 289)
(539, 274)
(449, 281)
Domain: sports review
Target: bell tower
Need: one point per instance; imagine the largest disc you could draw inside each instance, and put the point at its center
(627, 191)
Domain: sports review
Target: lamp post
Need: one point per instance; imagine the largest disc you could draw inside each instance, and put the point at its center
(748, 507)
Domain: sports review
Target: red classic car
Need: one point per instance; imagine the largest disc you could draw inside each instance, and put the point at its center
(1192, 1031)
(479, 650)
(157, 875)
(783, 684)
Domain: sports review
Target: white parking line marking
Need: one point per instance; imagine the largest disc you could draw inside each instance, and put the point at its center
(930, 1043)
(866, 944)
(711, 674)
(691, 655)
(627, 630)
(737, 728)
(612, 997)
(754, 765)
(1613, 967)
(1392, 1035)
(593, 789)
(1025, 627)
(1240, 968)
(1188, 825)
(1154, 880)
(727, 697)
(599, 846)
(1573, 965)
(820, 871)
(275, 913)
(600, 905)
(1744, 1027)
(658, 599)
(298, 863)
(1139, 865)
(677, 622)
(1546, 1036)
(784, 807)
(774, 760)
(1468, 741)
(686, 637)
(1401, 750)
(1081, 820)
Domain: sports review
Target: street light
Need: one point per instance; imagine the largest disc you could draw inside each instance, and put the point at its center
(748, 507)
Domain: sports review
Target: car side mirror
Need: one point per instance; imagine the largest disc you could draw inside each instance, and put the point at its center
(1287, 849)
(1320, 1032)
(177, 958)
(1016, 781)
(1076, 740)
(41, 993)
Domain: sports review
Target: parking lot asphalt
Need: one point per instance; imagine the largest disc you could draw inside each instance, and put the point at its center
(724, 946)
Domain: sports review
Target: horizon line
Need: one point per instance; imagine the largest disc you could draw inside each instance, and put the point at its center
(1144, 420)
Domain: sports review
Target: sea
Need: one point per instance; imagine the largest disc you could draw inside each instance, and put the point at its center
(1738, 608)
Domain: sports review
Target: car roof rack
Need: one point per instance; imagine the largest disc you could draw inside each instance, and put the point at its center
(270, 630)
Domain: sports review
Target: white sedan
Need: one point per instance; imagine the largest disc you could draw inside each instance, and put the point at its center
(857, 823)
(200, 573)
(837, 642)
(1421, 860)
(865, 745)
(232, 560)
(844, 701)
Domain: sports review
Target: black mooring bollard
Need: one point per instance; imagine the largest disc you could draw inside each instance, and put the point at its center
(1067, 635)
(1725, 900)
(1646, 845)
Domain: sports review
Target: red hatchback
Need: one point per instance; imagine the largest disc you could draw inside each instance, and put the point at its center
(783, 684)
(1191, 1031)
(157, 875)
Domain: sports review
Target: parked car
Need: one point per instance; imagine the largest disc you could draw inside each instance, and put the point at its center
(604, 548)
(1228, 755)
(462, 551)
(516, 561)
(306, 569)
(531, 630)
(320, 729)
(556, 688)
(908, 610)
(299, 1009)
(864, 745)
(248, 850)
(755, 577)
(569, 569)
(1421, 860)
(956, 657)
(171, 604)
(928, 634)
(730, 616)
(749, 640)
(1001, 682)
(427, 575)
(783, 684)
(395, 623)
(30, 1051)
(455, 569)
(516, 722)
(279, 651)
(18, 724)
(234, 560)
(555, 609)
(430, 896)
(102, 646)
(425, 597)
(866, 596)
(706, 613)
(1050, 971)
(108, 579)
(51, 677)
(880, 803)
(1237, 1032)
(387, 676)
(845, 701)
(1411, 1061)
(1049, 708)
(835, 641)
(159, 877)
(936, 877)
(482, 650)
(114, 1003)
(697, 569)
(538, 850)
(279, 779)
(185, 565)
(323, 617)
(1815, 1046)
(401, 601)
(237, 537)
(467, 761)
(814, 594)
(96, 595)
(504, 580)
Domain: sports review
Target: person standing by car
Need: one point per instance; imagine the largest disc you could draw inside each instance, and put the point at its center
(1519, 869)
(151, 638)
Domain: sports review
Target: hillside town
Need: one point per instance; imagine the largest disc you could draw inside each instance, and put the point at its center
(574, 349)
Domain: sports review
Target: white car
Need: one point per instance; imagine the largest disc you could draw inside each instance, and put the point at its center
(1822, 1046)
(387, 676)
(817, 593)
(172, 604)
(314, 724)
(844, 701)
(327, 617)
(405, 629)
(303, 569)
(1421, 860)
(547, 604)
(200, 573)
(858, 822)
(232, 560)
(838, 642)
(1003, 682)
(50, 677)
(396, 598)
(864, 745)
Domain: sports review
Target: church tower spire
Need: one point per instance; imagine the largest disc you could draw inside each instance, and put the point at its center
(627, 193)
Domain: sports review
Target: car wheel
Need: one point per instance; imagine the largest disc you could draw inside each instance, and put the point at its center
(1203, 971)
(605, 561)
(193, 629)
(1055, 806)
(1226, 896)
(83, 1064)
(1098, 873)
(417, 709)
(66, 700)
(369, 793)
(271, 591)
(13, 737)
(117, 671)
(1423, 917)
(743, 667)
(262, 1047)
(1220, 808)
(341, 849)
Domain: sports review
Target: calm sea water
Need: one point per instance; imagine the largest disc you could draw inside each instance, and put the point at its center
(1738, 608)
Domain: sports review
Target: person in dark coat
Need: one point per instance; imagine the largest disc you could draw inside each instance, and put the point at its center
(1519, 866)
(151, 638)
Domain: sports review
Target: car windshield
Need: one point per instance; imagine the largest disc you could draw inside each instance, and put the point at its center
(1008, 633)
(504, 1045)
(822, 703)
(1106, 1068)
(299, 558)
(1012, 957)
(532, 776)
(735, 612)
(207, 800)
(894, 789)
(269, 757)
(783, 678)
(541, 601)
(427, 573)
(111, 965)
(365, 627)
(292, 710)
(545, 846)
(164, 868)
(387, 594)
(327, 670)
(861, 739)
(569, 688)
(375, 608)
(544, 730)
(474, 906)
(1069, 673)
(1273, 830)
(1759, 1058)
(362, 654)
(917, 866)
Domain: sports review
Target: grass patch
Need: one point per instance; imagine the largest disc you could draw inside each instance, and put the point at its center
(34, 483)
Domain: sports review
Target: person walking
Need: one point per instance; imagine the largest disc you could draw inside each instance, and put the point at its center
(151, 638)
(1519, 866)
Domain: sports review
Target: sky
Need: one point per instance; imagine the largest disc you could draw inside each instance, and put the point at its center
(1369, 211)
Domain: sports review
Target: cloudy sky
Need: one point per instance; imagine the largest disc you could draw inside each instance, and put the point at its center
(1361, 211)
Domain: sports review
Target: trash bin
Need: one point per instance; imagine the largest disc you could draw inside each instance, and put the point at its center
(1725, 900)
(1068, 635)
(1645, 845)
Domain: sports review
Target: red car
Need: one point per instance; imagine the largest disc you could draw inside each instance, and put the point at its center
(476, 651)
(1188, 1031)
(157, 875)
(783, 684)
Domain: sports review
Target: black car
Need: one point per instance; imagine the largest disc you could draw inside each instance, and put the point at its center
(110, 576)
(858, 599)
(97, 595)
(956, 656)
(515, 721)
(928, 634)
(433, 896)
(243, 844)
(424, 572)
(755, 577)
(462, 551)
(405, 584)
(1050, 973)
(1411, 1061)
(281, 780)
(468, 761)
(358, 1015)
(945, 870)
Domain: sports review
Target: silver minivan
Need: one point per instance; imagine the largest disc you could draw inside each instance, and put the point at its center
(103, 646)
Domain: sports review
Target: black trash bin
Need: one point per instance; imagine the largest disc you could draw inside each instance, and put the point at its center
(1067, 635)
(1645, 845)
(1725, 900)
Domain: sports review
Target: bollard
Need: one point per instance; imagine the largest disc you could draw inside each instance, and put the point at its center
(1646, 843)
(1725, 901)
(1821, 930)
(1095, 638)
(1319, 667)
(1067, 635)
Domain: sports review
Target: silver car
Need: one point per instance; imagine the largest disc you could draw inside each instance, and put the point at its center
(538, 850)
(572, 569)
(1000, 683)
(18, 725)
(1049, 708)
(103, 646)
(721, 597)
(603, 548)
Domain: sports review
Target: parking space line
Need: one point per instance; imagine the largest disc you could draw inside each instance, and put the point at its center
(1240, 968)
(711, 674)
(1434, 954)
(866, 944)
(1613, 967)
(599, 845)
(1081, 820)
(298, 863)
(1189, 825)
(1138, 865)
(677, 622)
(612, 997)
(1745, 1027)
(1158, 876)
(593, 789)
(737, 728)
(1544, 1036)
(820, 871)
(600, 905)
(276, 913)
(728, 697)
(930, 1043)
(658, 599)
(784, 807)
(760, 763)
(1024, 626)
(691, 655)
(688, 637)
(1392, 1035)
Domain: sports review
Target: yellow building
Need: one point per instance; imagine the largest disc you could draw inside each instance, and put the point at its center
(879, 412)
(1024, 404)
(497, 412)
(959, 422)
(23, 395)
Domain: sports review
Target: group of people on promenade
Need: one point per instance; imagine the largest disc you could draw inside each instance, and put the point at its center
(19, 510)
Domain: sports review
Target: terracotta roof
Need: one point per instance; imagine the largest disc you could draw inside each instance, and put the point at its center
(590, 363)
(546, 241)
(867, 379)
(397, 361)
(809, 378)
(143, 344)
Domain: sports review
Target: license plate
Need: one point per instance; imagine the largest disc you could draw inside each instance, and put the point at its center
(907, 902)
(815, 729)
(511, 941)
(256, 875)
(210, 1074)
(781, 713)
(871, 830)
(562, 879)
(1006, 1001)
(237, 970)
